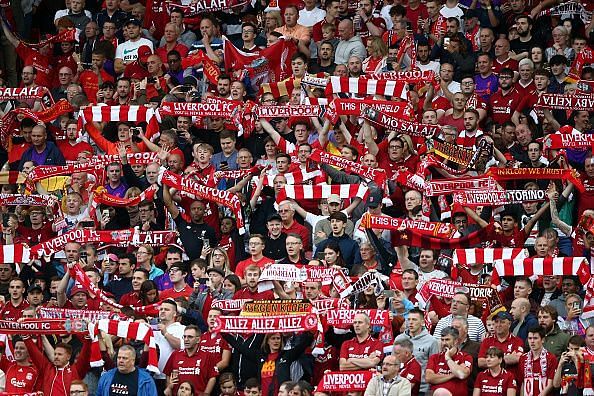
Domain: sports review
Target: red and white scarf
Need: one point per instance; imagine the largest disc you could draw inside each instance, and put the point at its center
(370, 174)
(101, 196)
(130, 113)
(297, 177)
(229, 306)
(138, 331)
(201, 109)
(142, 158)
(344, 381)
(530, 377)
(18, 253)
(410, 77)
(365, 86)
(355, 107)
(86, 314)
(300, 191)
(212, 194)
(28, 200)
(238, 173)
(541, 266)
(465, 257)
(21, 94)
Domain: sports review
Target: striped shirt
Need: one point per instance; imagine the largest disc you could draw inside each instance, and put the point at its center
(476, 328)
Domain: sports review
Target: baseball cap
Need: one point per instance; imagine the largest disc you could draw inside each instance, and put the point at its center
(334, 198)
(470, 13)
(78, 289)
(144, 51)
(375, 198)
(133, 21)
(273, 217)
(34, 287)
(217, 270)
(503, 315)
(339, 216)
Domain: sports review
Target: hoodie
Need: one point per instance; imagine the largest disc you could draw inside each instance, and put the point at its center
(425, 345)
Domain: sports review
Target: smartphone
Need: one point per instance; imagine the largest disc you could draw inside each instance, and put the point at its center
(87, 224)
(105, 214)
(389, 293)
(151, 80)
(576, 305)
(446, 41)
(83, 255)
(5, 218)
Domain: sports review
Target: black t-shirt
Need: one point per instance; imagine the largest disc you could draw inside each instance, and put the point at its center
(124, 384)
(518, 46)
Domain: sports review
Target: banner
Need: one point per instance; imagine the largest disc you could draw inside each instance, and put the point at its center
(276, 307)
(376, 175)
(433, 228)
(366, 87)
(28, 200)
(448, 288)
(566, 102)
(345, 317)
(355, 107)
(402, 126)
(410, 77)
(344, 381)
(230, 305)
(200, 109)
(84, 314)
(558, 141)
(266, 325)
(504, 174)
(132, 113)
(198, 7)
(43, 326)
(283, 273)
(118, 237)
(21, 94)
(451, 186)
(458, 154)
(288, 111)
(323, 305)
(498, 198)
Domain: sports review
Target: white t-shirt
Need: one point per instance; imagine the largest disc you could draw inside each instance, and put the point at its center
(165, 350)
(455, 12)
(310, 18)
(128, 50)
(432, 65)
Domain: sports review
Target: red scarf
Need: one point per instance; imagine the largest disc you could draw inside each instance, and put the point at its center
(370, 174)
(362, 86)
(431, 228)
(530, 377)
(266, 325)
(505, 174)
(200, 191)
(300, 192)
(475, 198)
(393, 123)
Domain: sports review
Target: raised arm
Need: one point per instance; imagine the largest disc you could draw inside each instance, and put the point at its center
(371, 145)
(532, 222)
(10, 35)
(168, 201)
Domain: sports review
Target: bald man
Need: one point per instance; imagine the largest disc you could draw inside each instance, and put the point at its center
(523, 318)
(349, 45)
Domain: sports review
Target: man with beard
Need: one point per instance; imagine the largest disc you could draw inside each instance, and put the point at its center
(555, 340)
(250, 291)
(449, 369)
(224, 86)
(424, 63)
(367, 25)
(349, 248)
(468, 137)
(520, 47)
(123, 285)
(503, 103)
(473, 101)
(325, 60)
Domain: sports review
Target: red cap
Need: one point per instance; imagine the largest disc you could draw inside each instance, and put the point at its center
(78, 289)
(144, 51)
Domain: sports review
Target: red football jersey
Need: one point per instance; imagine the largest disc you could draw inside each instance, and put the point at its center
(438, 364)
(495, 385)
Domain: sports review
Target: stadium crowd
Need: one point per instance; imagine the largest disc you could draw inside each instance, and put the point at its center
(231, 197)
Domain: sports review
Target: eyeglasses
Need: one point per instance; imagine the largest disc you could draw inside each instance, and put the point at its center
(254, 243)
(249, 31)
(174, 270)
(293, 243)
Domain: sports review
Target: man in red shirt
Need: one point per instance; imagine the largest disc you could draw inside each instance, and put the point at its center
(504, 102)
(252, 276)
(362, 352)
(70, 148)
(92, 79)
(528, 103)
(290, 226)
(449, 370)
(256, 246)
(511, 346)
(212, 343)
(411, 369)
(367, 25)
(13, 309)
(191, 364)
(537, 366)
(133, 298)
(177, 274)
(586, 199)
(21, 375)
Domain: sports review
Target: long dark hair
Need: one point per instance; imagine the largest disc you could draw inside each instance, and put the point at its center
(332, 245)
(147, 286)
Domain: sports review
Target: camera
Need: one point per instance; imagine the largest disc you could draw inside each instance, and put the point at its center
(151, 80)
(195, 96)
